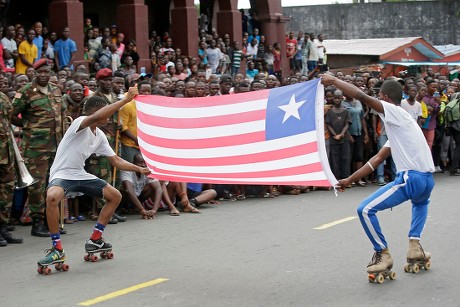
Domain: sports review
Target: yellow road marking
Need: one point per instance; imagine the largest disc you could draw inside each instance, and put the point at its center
(324, 226)
(115, 294)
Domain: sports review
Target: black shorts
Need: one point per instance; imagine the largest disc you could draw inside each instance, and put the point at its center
(91, 187)
(192, 194)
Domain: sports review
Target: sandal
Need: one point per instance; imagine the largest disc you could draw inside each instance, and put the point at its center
(240, 197)
(174, 213)
(191, 209)
(68, 221)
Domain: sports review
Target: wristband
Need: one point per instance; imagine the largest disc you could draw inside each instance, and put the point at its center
(370, 165)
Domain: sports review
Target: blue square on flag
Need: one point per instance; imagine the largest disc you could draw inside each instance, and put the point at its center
(291, 110)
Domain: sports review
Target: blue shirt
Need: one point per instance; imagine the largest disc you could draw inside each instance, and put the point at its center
(65, 48)
(38, 41)
(356, 114)
(195, 187)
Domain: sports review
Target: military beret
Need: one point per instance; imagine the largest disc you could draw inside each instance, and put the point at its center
(103, 73)
(41, 62)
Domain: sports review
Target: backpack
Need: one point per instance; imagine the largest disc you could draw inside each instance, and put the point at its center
(452, 110)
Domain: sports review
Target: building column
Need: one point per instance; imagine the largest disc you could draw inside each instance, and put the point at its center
(184, 27)
(273, 27)
(229, 22)
(68, 13)
(132, 20)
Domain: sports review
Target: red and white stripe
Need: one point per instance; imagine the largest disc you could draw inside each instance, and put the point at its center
(222, 140)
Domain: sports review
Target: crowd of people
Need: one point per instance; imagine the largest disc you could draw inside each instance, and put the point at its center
(43, 90)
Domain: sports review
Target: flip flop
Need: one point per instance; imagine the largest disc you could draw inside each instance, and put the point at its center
(174, 213)
(194, 210)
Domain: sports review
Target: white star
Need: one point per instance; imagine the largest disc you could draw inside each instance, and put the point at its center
(292, 109)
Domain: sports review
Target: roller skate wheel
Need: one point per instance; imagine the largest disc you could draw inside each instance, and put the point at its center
(380, 278)
(65, 267)
(392, 275)
(93, 258)
(46, 271)
(109, 255)
(86, 257)
(407, 268)
(58, 266)
(371, 277)
(415, 269)
(103, 255)
(40, 270)
(427, 265)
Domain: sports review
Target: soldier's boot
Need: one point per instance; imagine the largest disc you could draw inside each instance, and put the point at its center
(39, 228)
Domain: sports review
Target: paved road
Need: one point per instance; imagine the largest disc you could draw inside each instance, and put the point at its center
(257, 252)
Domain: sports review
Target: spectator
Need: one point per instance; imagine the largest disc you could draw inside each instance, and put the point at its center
(38, 39)
(214, 56)
(10, 46)
(337, 122)
(291, 51)
(139, 190)
(27, 52)
(64, 50)
(313, 56)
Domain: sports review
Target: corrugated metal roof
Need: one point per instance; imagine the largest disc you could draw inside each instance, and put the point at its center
(448, 49)
(370, 46)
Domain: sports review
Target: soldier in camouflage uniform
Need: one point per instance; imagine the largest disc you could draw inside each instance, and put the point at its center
(41, 108)
(7, 171)
(100, 166)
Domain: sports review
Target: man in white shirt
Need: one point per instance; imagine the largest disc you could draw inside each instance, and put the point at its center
(414, 180)
(321, 48)
(9, 44)
(67, 175)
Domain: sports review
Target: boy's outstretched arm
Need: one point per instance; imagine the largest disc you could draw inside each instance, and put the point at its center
(108, 110)
(353, 92)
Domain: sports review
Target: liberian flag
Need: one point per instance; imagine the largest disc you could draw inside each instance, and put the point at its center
(268, 137)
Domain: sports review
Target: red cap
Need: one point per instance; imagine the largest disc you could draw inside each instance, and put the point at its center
(41, 63)
(103, 73)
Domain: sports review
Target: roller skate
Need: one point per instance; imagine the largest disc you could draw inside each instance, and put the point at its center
(417, 258)
(98, 246)
(380, 267)
(53, 256)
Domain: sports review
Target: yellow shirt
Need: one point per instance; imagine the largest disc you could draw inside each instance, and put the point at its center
(424, 110)
(30, 52)
(128, 122)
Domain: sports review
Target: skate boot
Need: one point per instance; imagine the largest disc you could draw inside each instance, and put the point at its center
(53, 256)
(93, 247)
(417, 258)
(380, 267)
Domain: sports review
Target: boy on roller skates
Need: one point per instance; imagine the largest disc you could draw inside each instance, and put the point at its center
(414, 180)
(67, 175)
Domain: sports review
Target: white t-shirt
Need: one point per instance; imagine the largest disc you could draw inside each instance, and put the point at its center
(313, 52)
(138, 183)
(409, 148)
(320, 48)
(75, 148)
(414, 110)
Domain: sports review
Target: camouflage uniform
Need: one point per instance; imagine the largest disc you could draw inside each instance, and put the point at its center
(42, 132)
(6, 157)
(100, 166)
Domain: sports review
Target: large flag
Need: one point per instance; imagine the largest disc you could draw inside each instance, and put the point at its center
(269, 137)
